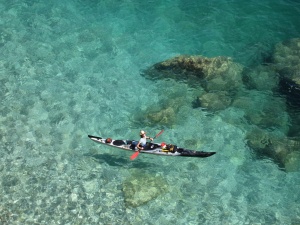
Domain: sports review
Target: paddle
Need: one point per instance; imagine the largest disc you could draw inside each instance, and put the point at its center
(134, 155)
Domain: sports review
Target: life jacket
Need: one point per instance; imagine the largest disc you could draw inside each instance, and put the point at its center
(169, 148)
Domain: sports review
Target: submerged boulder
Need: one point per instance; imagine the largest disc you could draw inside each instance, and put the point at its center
(265, 143)
(200, 66)
(291, 89)
(261, 78)
(219, 77)
(286, 59)
(218, 73)
(163, 113)
(213, 101)
(277, 146)
(142, 188)
(264, 110)
(292, 162)
(165, 116)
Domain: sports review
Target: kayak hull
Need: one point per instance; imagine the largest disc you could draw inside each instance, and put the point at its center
(153, 148)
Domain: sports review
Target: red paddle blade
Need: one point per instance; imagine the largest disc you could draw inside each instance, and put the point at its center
(134, 155)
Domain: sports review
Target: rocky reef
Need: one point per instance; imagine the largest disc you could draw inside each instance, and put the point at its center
(268, 95)
(163, 113)
(286, 60)
(142, 188)
(220, 78)
(213, 101)
(213, 74)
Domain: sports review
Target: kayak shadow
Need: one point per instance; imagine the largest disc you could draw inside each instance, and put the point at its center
(119, 161)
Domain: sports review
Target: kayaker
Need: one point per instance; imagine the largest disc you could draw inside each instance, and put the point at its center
(143, 141)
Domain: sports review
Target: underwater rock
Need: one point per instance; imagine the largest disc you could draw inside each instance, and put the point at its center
(258, 139)
(294, 130)
(163, 113)
(142, 188)
(265, 143)
(213, 101)
(292, 162)
(291, 89)
(220, 77)
(200, 66)
(262, 78)
(286, 59)
(164, 117)
(218, 73)
(284, 151)
(263, 110)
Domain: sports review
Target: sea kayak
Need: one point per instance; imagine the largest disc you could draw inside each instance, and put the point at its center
(152, 148)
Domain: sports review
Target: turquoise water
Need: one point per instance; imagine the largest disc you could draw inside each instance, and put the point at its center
(72, 68)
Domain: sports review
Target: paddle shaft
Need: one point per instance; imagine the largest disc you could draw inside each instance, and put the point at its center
(156, 136)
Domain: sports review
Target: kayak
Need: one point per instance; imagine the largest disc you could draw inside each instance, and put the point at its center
(151, 148)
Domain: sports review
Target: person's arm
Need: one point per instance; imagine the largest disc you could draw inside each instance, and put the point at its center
(151, 139)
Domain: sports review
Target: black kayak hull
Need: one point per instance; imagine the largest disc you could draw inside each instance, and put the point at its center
(154, 148)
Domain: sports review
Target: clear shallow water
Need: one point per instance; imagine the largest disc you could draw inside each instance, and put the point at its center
(71, 69)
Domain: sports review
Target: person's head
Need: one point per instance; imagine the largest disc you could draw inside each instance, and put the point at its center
(142, 133)
(108, 140)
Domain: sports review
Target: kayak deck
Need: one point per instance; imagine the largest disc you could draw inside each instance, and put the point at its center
(152, 148)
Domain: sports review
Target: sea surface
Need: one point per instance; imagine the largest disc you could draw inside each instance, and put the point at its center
(73, 68)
